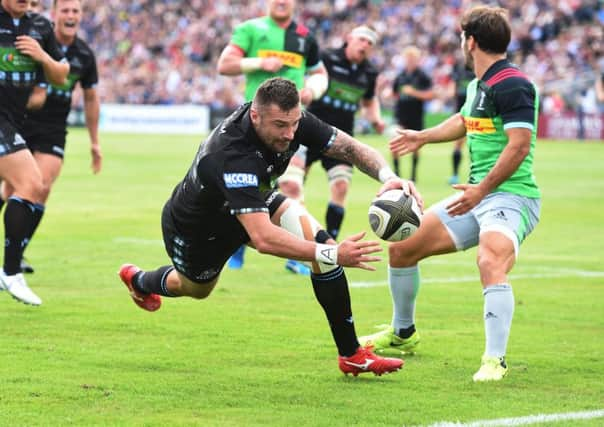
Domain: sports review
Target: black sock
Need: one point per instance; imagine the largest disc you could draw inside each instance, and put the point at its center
(414, 167)
(331, 290)
(153, 282)
(38, 214)
(456, 161)
(406, 332)
(19, 223)
(395, 163)
(334, 217)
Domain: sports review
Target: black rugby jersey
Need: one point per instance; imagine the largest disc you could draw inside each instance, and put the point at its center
(18, 72)
(233, 170)
(348, 84)
(410, 110)
(53, 115)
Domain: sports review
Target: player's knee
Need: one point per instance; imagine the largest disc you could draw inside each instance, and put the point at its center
(488, 262)
(339, 189)
(291, 188)
(31, 189)
(298, 221)
(45, 191)
(403, 255)
(340, 175)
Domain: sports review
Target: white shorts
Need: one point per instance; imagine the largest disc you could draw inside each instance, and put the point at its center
(513, 215)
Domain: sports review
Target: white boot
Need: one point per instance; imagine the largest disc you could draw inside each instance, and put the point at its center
(17, 287)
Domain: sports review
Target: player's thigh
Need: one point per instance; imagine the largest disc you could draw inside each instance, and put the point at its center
(20, 171)
(431, 238)
(505, 220)
(50, 166)
(199, 253)
(48, 150)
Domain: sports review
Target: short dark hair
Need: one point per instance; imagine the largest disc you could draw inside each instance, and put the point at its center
(278, 91)
(54, 3)
(489, 26)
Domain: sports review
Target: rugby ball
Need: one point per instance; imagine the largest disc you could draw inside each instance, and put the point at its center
(394, 216)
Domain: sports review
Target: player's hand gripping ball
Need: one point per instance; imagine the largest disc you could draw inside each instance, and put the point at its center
(394, 216)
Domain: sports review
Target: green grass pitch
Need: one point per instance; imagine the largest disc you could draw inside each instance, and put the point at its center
(258, 352)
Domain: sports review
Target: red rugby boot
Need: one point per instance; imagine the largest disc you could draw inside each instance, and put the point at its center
(365, 361)
(149, 302)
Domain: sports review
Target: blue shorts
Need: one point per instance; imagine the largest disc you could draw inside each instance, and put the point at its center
(513, 215)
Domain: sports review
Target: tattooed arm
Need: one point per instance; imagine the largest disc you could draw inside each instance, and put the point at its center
(366, 158)
(370, 162)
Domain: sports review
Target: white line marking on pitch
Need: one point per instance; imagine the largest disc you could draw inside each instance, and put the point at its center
(545, 275)
(523, 421)
(137, 241)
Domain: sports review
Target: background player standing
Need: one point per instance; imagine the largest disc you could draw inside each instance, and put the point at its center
(411, 88)
(352, 81)
(45, 129)
(29, 47)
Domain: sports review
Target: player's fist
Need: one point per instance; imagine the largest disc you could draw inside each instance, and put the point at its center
(272, 64)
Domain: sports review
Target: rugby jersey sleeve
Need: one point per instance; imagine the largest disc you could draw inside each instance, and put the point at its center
(239, 181)
(49, 42)
(90, 78)
(313, 57)
(315, 133)
(515, 100)
(242, 36)
(371, 82)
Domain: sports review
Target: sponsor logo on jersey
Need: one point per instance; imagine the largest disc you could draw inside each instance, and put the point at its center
(479, 125)
(240, 180)
(290, 59)
(34, 34)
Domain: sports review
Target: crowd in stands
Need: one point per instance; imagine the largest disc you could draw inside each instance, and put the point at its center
(165, 51)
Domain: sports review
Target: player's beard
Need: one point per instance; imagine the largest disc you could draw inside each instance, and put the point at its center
(469, 61)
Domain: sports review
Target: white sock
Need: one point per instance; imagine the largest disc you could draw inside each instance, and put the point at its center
(404, 285)
(498, 313)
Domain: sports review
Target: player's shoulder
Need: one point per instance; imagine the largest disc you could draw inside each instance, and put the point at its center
(261, 22)
(39, 22)
(332, 54)
(301, 29)
(506, 76)
(370, 68)
(83, 47)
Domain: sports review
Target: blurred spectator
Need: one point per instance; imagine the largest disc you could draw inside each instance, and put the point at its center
(165, 51)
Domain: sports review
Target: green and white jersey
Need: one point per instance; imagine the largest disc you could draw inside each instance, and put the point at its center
(263, 37)
(503, 99)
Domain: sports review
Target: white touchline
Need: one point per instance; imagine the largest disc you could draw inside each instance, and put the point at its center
(461, 279)
(524, 421)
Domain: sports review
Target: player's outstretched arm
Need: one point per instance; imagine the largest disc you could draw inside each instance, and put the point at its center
(270, 239)
(370, 162)
(408, 141)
